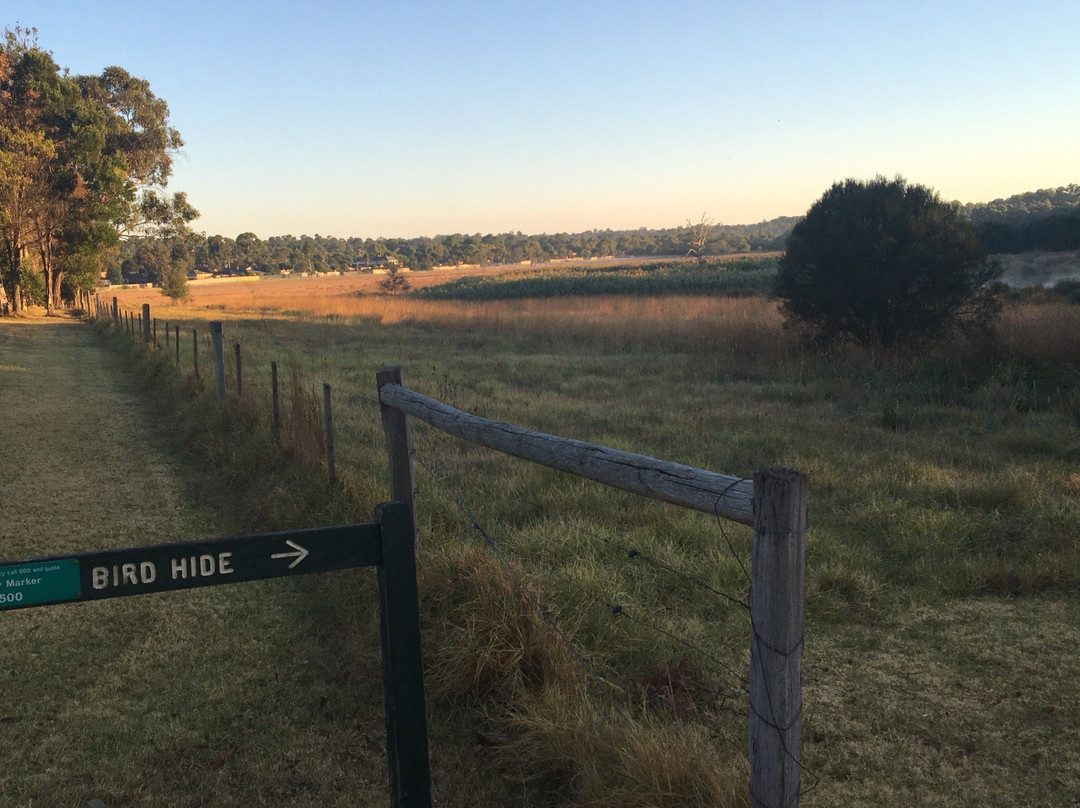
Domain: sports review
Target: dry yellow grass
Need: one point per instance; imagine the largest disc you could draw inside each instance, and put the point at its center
(748, 327)
(1046, 332)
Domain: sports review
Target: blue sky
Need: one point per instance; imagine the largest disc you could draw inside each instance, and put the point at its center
(406, 118)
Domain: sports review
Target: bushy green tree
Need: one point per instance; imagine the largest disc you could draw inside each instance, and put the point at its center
(884, 263)
(83, 161)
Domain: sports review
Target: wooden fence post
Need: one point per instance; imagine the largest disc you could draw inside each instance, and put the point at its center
(328, 425)
(776, 618)
(219, 359)
(398, 444)
(178, 346)
(239, 375)
(402, 661)
(116, 314)
(275, 409)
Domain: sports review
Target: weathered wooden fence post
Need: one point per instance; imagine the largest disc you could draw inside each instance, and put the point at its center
(776, 618)
(116, 314)
(219, 359)
(328, 425)
(398, 443)
(239, 374)
(275, 407)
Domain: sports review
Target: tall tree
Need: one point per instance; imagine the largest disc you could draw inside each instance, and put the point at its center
(84, 161)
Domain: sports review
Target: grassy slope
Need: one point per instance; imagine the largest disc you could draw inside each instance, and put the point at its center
(222, 696)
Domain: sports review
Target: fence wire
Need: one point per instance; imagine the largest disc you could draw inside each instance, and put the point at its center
(438, 471)
(435, 466)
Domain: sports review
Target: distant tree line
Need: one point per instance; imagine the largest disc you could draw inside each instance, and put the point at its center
(1047, 220)
(247, 252)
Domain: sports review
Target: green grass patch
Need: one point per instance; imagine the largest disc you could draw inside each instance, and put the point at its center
(743, 276)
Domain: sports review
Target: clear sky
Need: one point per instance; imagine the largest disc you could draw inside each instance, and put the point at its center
(407, 118)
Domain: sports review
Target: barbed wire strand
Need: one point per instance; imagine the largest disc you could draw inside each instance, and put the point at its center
(724, 533)
(618, 609)
(635, 554)
(558, 633)
(632, 553)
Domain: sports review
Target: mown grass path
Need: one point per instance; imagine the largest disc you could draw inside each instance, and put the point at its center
(222, 696)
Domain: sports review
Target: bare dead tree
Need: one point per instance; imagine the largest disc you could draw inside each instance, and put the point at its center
(699, 236)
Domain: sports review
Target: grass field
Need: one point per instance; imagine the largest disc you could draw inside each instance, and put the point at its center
(942, 570)
(227, 696)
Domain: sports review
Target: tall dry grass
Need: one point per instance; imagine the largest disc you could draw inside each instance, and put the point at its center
(1043, 331)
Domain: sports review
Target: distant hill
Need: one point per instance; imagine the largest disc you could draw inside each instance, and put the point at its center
(1046, 220)
(1019, 207)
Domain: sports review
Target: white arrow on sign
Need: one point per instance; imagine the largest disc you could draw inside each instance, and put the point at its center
(300, 554)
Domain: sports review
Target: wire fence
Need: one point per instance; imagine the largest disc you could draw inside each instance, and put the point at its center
(702, 673)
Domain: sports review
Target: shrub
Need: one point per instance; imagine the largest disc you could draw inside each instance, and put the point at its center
(884, 263)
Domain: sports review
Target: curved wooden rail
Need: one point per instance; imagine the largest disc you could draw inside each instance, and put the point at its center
(707, 491)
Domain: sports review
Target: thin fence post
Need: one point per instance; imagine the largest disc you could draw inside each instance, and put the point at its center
(398, 444)
(116, 314)
(776, 619)
(328, 423)
(219, 359)
(275, 407)
(178, 346)
(239, 374)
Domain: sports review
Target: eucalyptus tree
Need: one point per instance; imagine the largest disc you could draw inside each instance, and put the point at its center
(84, 160)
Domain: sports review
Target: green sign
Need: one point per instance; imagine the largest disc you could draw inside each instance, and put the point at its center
(186, 565)
(30, 582)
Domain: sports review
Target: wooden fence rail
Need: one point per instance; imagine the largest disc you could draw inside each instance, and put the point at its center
(717, 494)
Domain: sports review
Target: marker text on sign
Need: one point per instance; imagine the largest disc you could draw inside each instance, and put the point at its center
(28, 583)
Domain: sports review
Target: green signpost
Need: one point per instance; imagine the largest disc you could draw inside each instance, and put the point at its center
(187, 565)
(386, 544)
